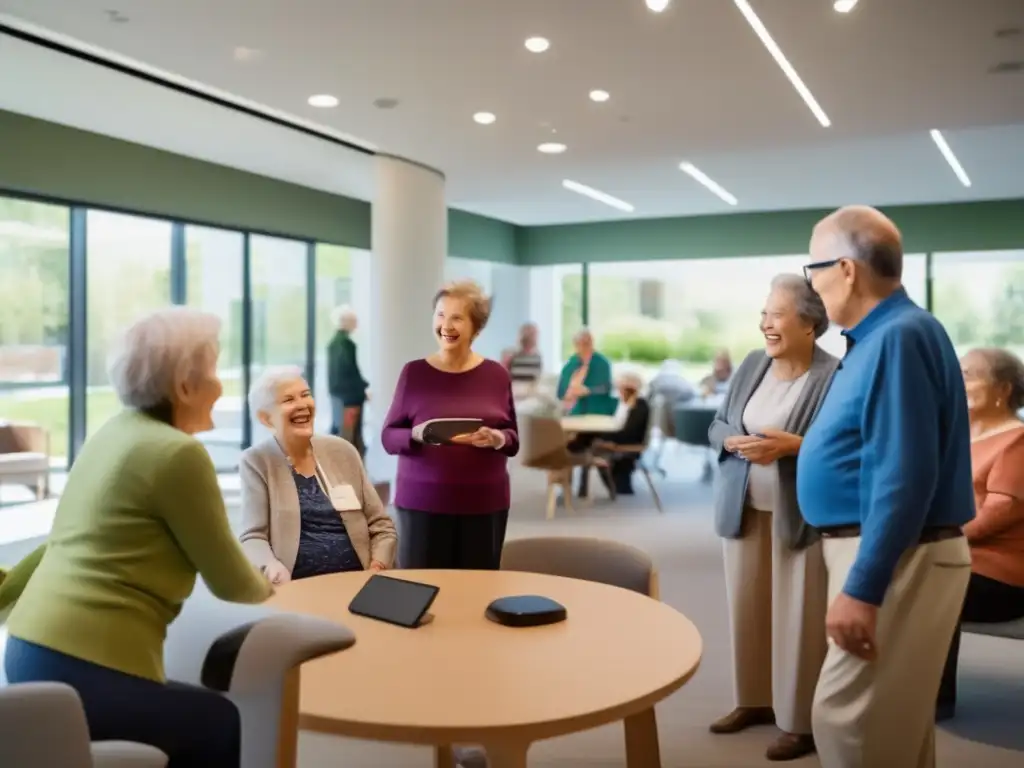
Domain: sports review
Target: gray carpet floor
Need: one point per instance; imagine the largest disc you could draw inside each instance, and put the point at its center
(986, 733)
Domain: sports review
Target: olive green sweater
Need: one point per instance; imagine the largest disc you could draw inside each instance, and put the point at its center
(141, 514)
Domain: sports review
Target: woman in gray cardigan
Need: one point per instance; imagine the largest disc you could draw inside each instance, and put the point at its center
(774, 572)
(308, 507)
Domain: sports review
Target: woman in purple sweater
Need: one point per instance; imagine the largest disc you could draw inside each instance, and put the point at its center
(453, 500)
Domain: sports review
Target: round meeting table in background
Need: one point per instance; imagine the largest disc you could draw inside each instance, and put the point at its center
(461, 679)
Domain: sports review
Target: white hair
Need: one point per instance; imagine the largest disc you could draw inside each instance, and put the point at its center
(344, 317)
(630, 380)
(263, 392)
(160, 351)
(581, 334)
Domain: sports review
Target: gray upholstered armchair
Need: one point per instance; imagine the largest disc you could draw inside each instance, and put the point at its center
(252, 654)
(43, 724)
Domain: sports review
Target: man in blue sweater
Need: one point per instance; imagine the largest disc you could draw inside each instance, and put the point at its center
(884, 473)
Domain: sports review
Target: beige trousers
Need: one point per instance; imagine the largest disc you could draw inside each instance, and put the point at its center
(777, 621)
(881, 714)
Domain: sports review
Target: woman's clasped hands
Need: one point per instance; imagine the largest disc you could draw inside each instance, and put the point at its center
(764, 448)
(484, 437)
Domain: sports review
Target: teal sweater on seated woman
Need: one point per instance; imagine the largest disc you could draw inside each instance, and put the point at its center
(598, 381)
(141, 514)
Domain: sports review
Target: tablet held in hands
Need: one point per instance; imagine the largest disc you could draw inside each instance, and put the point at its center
(450, 431)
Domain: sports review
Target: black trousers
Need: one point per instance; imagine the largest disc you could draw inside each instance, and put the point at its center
(458, 542)
(621, 470)
(194, 727)
(581, 444)
(987, 602)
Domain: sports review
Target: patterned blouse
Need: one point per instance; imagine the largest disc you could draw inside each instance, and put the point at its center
(324, 545)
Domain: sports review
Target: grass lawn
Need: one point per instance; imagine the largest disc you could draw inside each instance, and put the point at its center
(50, 411)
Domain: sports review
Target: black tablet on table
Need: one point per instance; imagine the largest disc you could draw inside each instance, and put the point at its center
(441, 431)
(396, 601)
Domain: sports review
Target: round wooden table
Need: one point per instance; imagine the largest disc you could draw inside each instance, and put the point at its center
(464, 679)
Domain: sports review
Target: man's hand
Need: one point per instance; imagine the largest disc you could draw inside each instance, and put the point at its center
(851, 624)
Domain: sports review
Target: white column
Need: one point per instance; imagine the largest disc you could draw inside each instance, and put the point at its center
(409, 240)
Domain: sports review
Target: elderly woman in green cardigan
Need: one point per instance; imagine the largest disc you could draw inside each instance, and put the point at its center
(585, 388)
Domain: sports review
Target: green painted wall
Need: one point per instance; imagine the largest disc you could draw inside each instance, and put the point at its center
(55, 161)
(997, 225)
(43, 158)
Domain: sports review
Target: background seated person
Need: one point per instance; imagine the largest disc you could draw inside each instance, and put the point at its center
(585, 384)
(717, 383)
(308, 506)
(994, 380)
(524, 363)
(633, 433)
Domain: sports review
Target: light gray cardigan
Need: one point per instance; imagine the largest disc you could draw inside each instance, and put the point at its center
(731, 490)
(270, 504)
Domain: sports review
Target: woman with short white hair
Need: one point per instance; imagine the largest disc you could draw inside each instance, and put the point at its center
(345, 382)
(609, 447)
(141, 515)
(308, 506)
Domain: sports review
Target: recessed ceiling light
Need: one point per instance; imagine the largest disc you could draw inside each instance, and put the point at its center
(940, 142)
(657, 5)
(551, 148)
(484, 118)
(598, 195)
(537, 44)
(844, 6)
(323, 100)
(599, 95)
(780, 58)
(696, 173)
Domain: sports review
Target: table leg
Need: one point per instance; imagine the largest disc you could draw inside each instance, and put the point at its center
(444, 757)
(642, 750)
(506, 755)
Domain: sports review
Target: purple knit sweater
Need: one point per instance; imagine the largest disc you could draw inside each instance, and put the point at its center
(451, 479)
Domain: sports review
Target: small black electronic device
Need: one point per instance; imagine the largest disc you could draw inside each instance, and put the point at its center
(758, 434)
(525, 611)
(396, 601)
(441, 431)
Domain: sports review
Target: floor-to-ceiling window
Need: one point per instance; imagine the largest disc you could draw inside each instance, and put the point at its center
(556, 306)
(129, 274)
(213, 267)
(643, 313)
(979, 298)
(278, 286)
(34, 284)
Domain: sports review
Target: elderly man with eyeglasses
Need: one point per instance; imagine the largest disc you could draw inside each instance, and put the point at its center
(884, 474)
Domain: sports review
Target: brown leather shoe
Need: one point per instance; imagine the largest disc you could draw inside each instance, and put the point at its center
(742, 718)
(790, 746)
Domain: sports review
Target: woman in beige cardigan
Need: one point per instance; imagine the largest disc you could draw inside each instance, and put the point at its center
(308, 507)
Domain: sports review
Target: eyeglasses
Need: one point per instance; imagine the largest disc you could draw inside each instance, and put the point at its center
(809, 268)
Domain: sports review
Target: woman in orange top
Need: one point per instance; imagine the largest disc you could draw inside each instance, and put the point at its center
(994, 380)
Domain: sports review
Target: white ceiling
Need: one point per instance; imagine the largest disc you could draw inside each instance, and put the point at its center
(691, 84)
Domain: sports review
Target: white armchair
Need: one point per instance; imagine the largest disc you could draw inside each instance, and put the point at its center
(43, 724)
(252, 654)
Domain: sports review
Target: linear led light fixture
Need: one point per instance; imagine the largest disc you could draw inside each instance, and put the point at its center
(940, 142)
(598, 195)
(696, 173)
(844, 6)
(780, 58)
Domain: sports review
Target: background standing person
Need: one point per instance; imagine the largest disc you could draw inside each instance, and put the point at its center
(453, 500)
(345, 382)
(884, 474)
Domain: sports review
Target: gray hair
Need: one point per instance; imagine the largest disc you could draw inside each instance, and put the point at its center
(809, 306)
(581, 334)
(263, 392)
(344, 317)
(1006, 368)
(867, 235)
(160, 351)
(630, 380)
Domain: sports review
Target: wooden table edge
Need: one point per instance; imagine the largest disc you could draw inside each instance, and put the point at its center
(525, 733)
